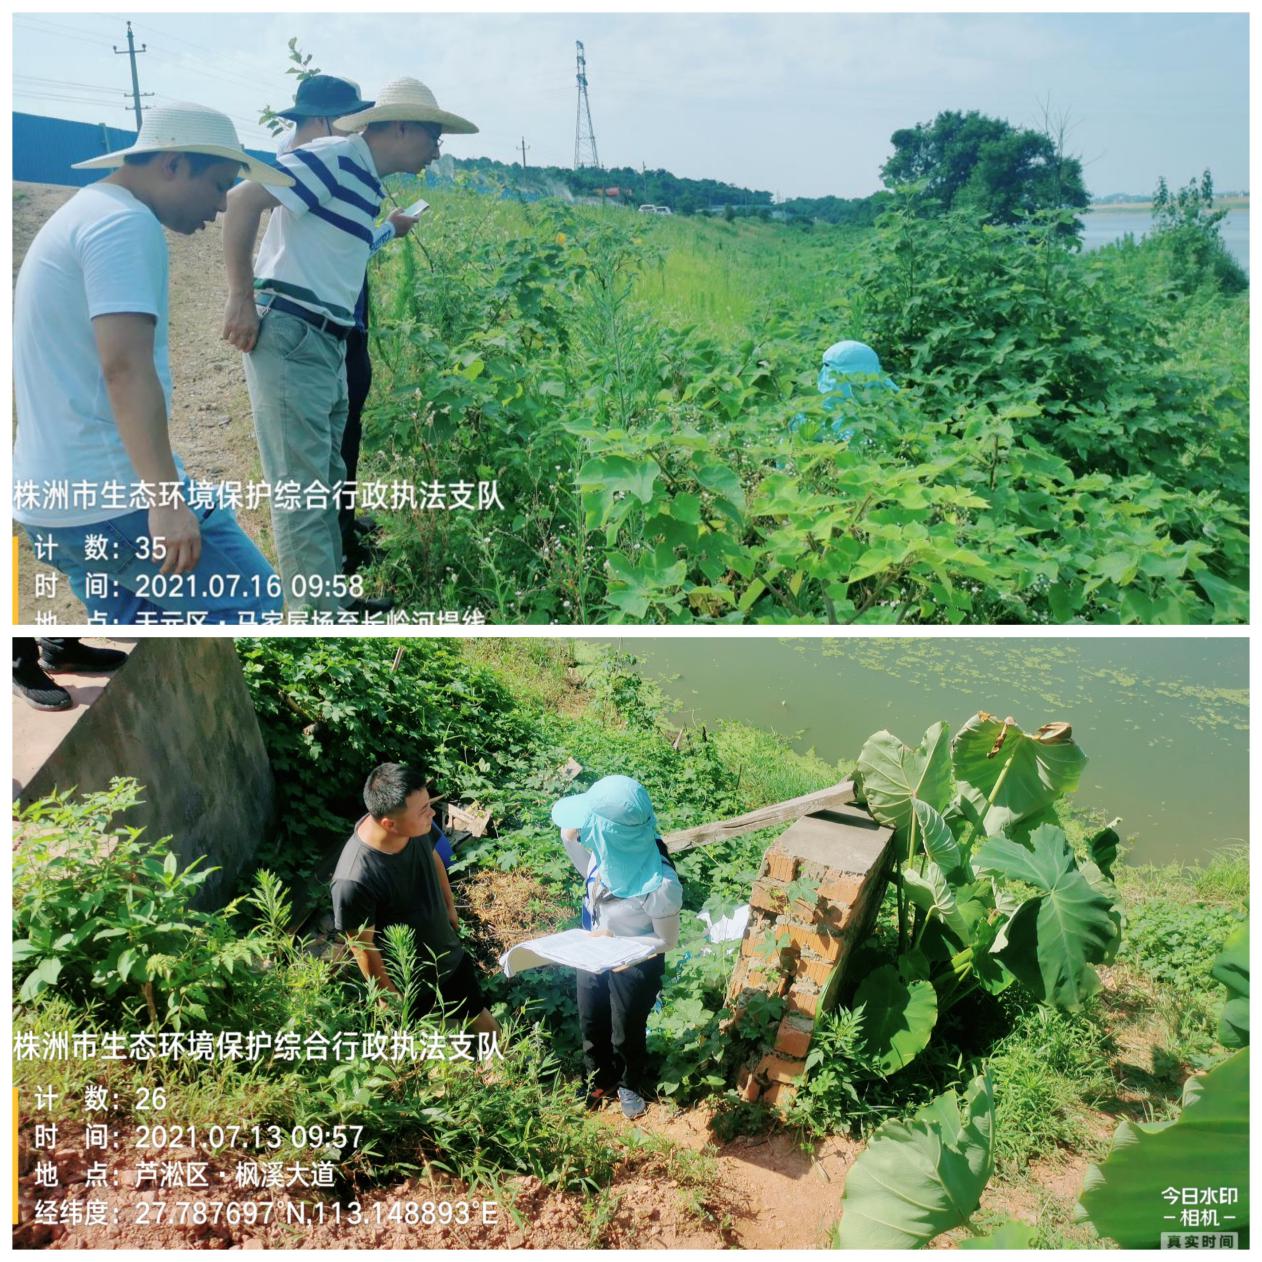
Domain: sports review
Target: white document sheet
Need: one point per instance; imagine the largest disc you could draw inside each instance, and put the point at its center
(576, 948)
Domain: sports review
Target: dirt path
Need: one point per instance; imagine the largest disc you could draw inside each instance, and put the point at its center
(211, 426)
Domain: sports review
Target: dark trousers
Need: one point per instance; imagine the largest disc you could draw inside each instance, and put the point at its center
(613, 1013)
(358, 384)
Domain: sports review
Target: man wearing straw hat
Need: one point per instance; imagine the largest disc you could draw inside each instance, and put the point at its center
(96, 484)
(320, 100)
(291, 313)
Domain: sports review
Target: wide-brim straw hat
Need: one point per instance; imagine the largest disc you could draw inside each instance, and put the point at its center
(186, 128)
(406, 101)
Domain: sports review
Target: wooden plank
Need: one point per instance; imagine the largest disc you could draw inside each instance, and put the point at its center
(763, 817)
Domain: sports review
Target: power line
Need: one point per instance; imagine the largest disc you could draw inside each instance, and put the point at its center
(96, 43)
(68, 83)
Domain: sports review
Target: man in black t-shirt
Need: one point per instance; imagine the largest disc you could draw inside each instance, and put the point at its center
(389, 874)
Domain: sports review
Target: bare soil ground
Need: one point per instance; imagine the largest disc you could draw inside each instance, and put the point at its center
(211, 427)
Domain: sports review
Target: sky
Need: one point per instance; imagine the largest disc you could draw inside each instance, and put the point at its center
(796, 104)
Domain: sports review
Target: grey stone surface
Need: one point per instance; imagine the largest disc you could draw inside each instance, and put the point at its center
(178, 718)
(845, 839)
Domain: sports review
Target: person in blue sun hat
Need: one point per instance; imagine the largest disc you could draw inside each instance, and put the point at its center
(850, 371)
(632, 890)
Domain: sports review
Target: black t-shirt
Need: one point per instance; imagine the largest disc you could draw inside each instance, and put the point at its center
(371, 888)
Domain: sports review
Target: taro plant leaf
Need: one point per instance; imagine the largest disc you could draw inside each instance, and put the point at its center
(899, 1017)
(936, 837)
(894, 775)
(1206, 1146)
(1102, 847)
(1010, 1234)
(1010, 777)
(1232, 969)
(918, 1179)
(1052, 940)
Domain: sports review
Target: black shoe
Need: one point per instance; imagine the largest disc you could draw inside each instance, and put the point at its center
(372, 604)
(37, 690)
(367, 527)
(80, 657)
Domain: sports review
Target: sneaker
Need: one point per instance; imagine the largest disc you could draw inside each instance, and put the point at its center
(632, 1102)
(78, 656)
(38, 691)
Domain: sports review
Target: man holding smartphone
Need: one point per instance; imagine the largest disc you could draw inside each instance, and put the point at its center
(319, 102)
(292, 311)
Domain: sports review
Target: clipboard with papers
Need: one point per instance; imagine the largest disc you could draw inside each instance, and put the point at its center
(579, 949)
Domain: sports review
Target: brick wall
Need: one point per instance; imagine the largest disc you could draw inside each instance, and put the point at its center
(816, 896)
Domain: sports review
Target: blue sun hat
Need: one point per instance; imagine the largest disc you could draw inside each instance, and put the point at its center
(615, 821)
(848, 365)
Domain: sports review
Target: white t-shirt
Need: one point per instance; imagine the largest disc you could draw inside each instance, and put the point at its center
(316, 247)
(102, 253)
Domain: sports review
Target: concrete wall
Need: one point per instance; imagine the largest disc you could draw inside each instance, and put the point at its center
(177, 717)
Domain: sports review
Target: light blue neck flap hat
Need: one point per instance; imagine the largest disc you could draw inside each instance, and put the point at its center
(615, 821)
(849, 363)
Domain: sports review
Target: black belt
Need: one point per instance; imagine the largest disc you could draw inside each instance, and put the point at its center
(325, 325)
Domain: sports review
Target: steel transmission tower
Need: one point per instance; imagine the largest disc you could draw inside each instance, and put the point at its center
(585, 154)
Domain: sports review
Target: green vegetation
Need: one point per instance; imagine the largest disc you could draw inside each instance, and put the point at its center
(1020, 969)
(1068, 443)
(1004, 173)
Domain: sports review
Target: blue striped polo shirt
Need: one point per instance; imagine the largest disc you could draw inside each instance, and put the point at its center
(316, 247)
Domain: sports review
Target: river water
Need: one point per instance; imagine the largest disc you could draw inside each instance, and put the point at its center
(1164, 723)
(1100, 227)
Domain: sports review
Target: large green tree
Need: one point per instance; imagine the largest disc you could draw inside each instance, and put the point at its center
(970, 160)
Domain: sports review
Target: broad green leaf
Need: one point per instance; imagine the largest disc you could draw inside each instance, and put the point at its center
(899, 1017)
(1022, 777)
(1052, 940)
(917, 1179)
(936, 837)
(1232, 969)
(1011, 1234)
(169, 865)
(1102, 847)
(894, 776)
(1126, 1197)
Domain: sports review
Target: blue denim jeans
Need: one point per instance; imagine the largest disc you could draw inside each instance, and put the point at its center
(231, 583)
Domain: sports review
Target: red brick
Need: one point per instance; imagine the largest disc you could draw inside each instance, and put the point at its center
(804, 1003)
(747, 1085)
(780, 1069)
(823, 945)
(780, 1094)
(837, 915)
(817, 970)
(793, 1038)
(737, 981)
(781, 867)
(771, 981)
(841, 889)
(767, 897)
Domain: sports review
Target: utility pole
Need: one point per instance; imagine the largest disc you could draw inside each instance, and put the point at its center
(524, 147)
(584, 137)
(131, 50)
